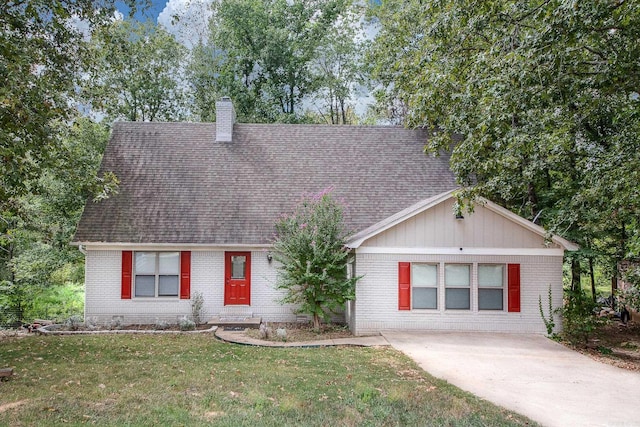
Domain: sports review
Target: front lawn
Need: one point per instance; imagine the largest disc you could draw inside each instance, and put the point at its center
(196, 380)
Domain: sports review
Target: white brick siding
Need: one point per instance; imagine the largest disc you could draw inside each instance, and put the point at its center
(377, 296)
(103, 287)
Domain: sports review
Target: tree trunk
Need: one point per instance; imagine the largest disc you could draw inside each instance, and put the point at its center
(575, 274)
(593, 280)
(316, 322)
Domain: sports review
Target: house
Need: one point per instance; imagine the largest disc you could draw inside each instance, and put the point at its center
(197, 203)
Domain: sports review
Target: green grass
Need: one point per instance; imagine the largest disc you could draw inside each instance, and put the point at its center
(195, 380)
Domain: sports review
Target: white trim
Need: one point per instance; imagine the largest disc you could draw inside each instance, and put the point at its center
(461, 251)
(170, 247)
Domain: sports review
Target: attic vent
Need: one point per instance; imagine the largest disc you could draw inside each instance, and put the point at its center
(225, 118)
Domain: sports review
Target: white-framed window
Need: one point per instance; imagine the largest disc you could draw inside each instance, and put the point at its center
(424, 279)
(156, 274)
(457, 282)
(491, 278)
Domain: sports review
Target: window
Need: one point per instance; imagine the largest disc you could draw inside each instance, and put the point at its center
(157, 274)
(425, 285)
(490, 287)
(457, 286)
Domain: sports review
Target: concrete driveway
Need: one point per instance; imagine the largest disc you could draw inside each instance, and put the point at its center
(528, 374)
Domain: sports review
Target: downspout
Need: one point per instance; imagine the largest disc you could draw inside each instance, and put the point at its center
(83, 249)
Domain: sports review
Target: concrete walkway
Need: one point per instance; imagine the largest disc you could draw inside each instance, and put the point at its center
(528, 374)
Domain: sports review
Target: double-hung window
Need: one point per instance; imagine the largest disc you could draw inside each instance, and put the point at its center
(157, 274)
(425, 285)
(490, 287)
(457, 293)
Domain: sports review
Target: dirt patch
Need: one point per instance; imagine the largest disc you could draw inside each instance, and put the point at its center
(300, 332)
(12, 405)
(615, 344)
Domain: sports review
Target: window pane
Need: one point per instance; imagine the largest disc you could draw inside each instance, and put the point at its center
(169, 263)
(489, 299)
(145, 263)
(457, 299)
(145, 286)
(168, 286)
(457, 275)
(237, 267)
(425, 274)
(425, 298)
(490, 275)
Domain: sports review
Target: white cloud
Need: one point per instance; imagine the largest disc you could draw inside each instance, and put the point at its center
(188, 20)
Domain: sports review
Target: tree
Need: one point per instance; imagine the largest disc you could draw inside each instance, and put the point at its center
(310, 250)
(538, 100)
(338, 67)
(36, 236)
(42, 56)
(136, 73)
(262, 52)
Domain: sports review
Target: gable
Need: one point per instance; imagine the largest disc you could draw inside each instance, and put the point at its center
(432, 224)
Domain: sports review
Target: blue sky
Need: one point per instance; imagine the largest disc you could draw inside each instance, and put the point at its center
(151, 13)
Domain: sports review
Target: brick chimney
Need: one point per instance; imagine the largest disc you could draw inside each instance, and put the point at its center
(225, 118)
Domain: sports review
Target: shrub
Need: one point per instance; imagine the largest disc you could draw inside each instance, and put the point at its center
(197, 301)
(161, 325)
(186, 324)
(579, 316)
(310, 250)
(73, 323)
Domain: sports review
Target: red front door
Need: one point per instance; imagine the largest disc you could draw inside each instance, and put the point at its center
(237, 278)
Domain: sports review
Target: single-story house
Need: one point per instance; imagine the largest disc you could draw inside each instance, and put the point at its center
(197, 203)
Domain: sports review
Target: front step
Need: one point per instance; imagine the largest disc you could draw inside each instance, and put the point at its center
(236, 322)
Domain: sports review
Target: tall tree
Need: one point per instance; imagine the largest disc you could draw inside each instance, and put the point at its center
(136, 73)
(543, 98)
(338, 66)
(42, 56)
(264, 51)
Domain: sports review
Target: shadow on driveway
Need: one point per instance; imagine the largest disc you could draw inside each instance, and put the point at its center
(528, 374)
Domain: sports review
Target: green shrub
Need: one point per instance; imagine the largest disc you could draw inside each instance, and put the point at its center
(578, 313)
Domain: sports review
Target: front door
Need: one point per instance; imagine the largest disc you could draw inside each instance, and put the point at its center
(237, 278)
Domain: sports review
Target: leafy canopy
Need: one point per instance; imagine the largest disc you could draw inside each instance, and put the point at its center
(310, 250)
(539, 100)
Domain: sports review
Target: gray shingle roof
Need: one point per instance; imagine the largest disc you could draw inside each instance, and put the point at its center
(177, 185)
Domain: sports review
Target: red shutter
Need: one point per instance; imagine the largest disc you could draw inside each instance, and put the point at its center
(127, 266)
(185, 275)
(404, 286)
(514, 287)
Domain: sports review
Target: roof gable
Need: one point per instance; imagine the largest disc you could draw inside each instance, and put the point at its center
(431, 223)
(177, 185)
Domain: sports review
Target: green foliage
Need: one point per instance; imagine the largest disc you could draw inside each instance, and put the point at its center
(310, 250)
(549, 323)
(539, 101)
(136, 73)
(269, 56)
(578, 314)
(35, 246)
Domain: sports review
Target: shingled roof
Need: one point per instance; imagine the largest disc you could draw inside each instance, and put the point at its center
(178, 185)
